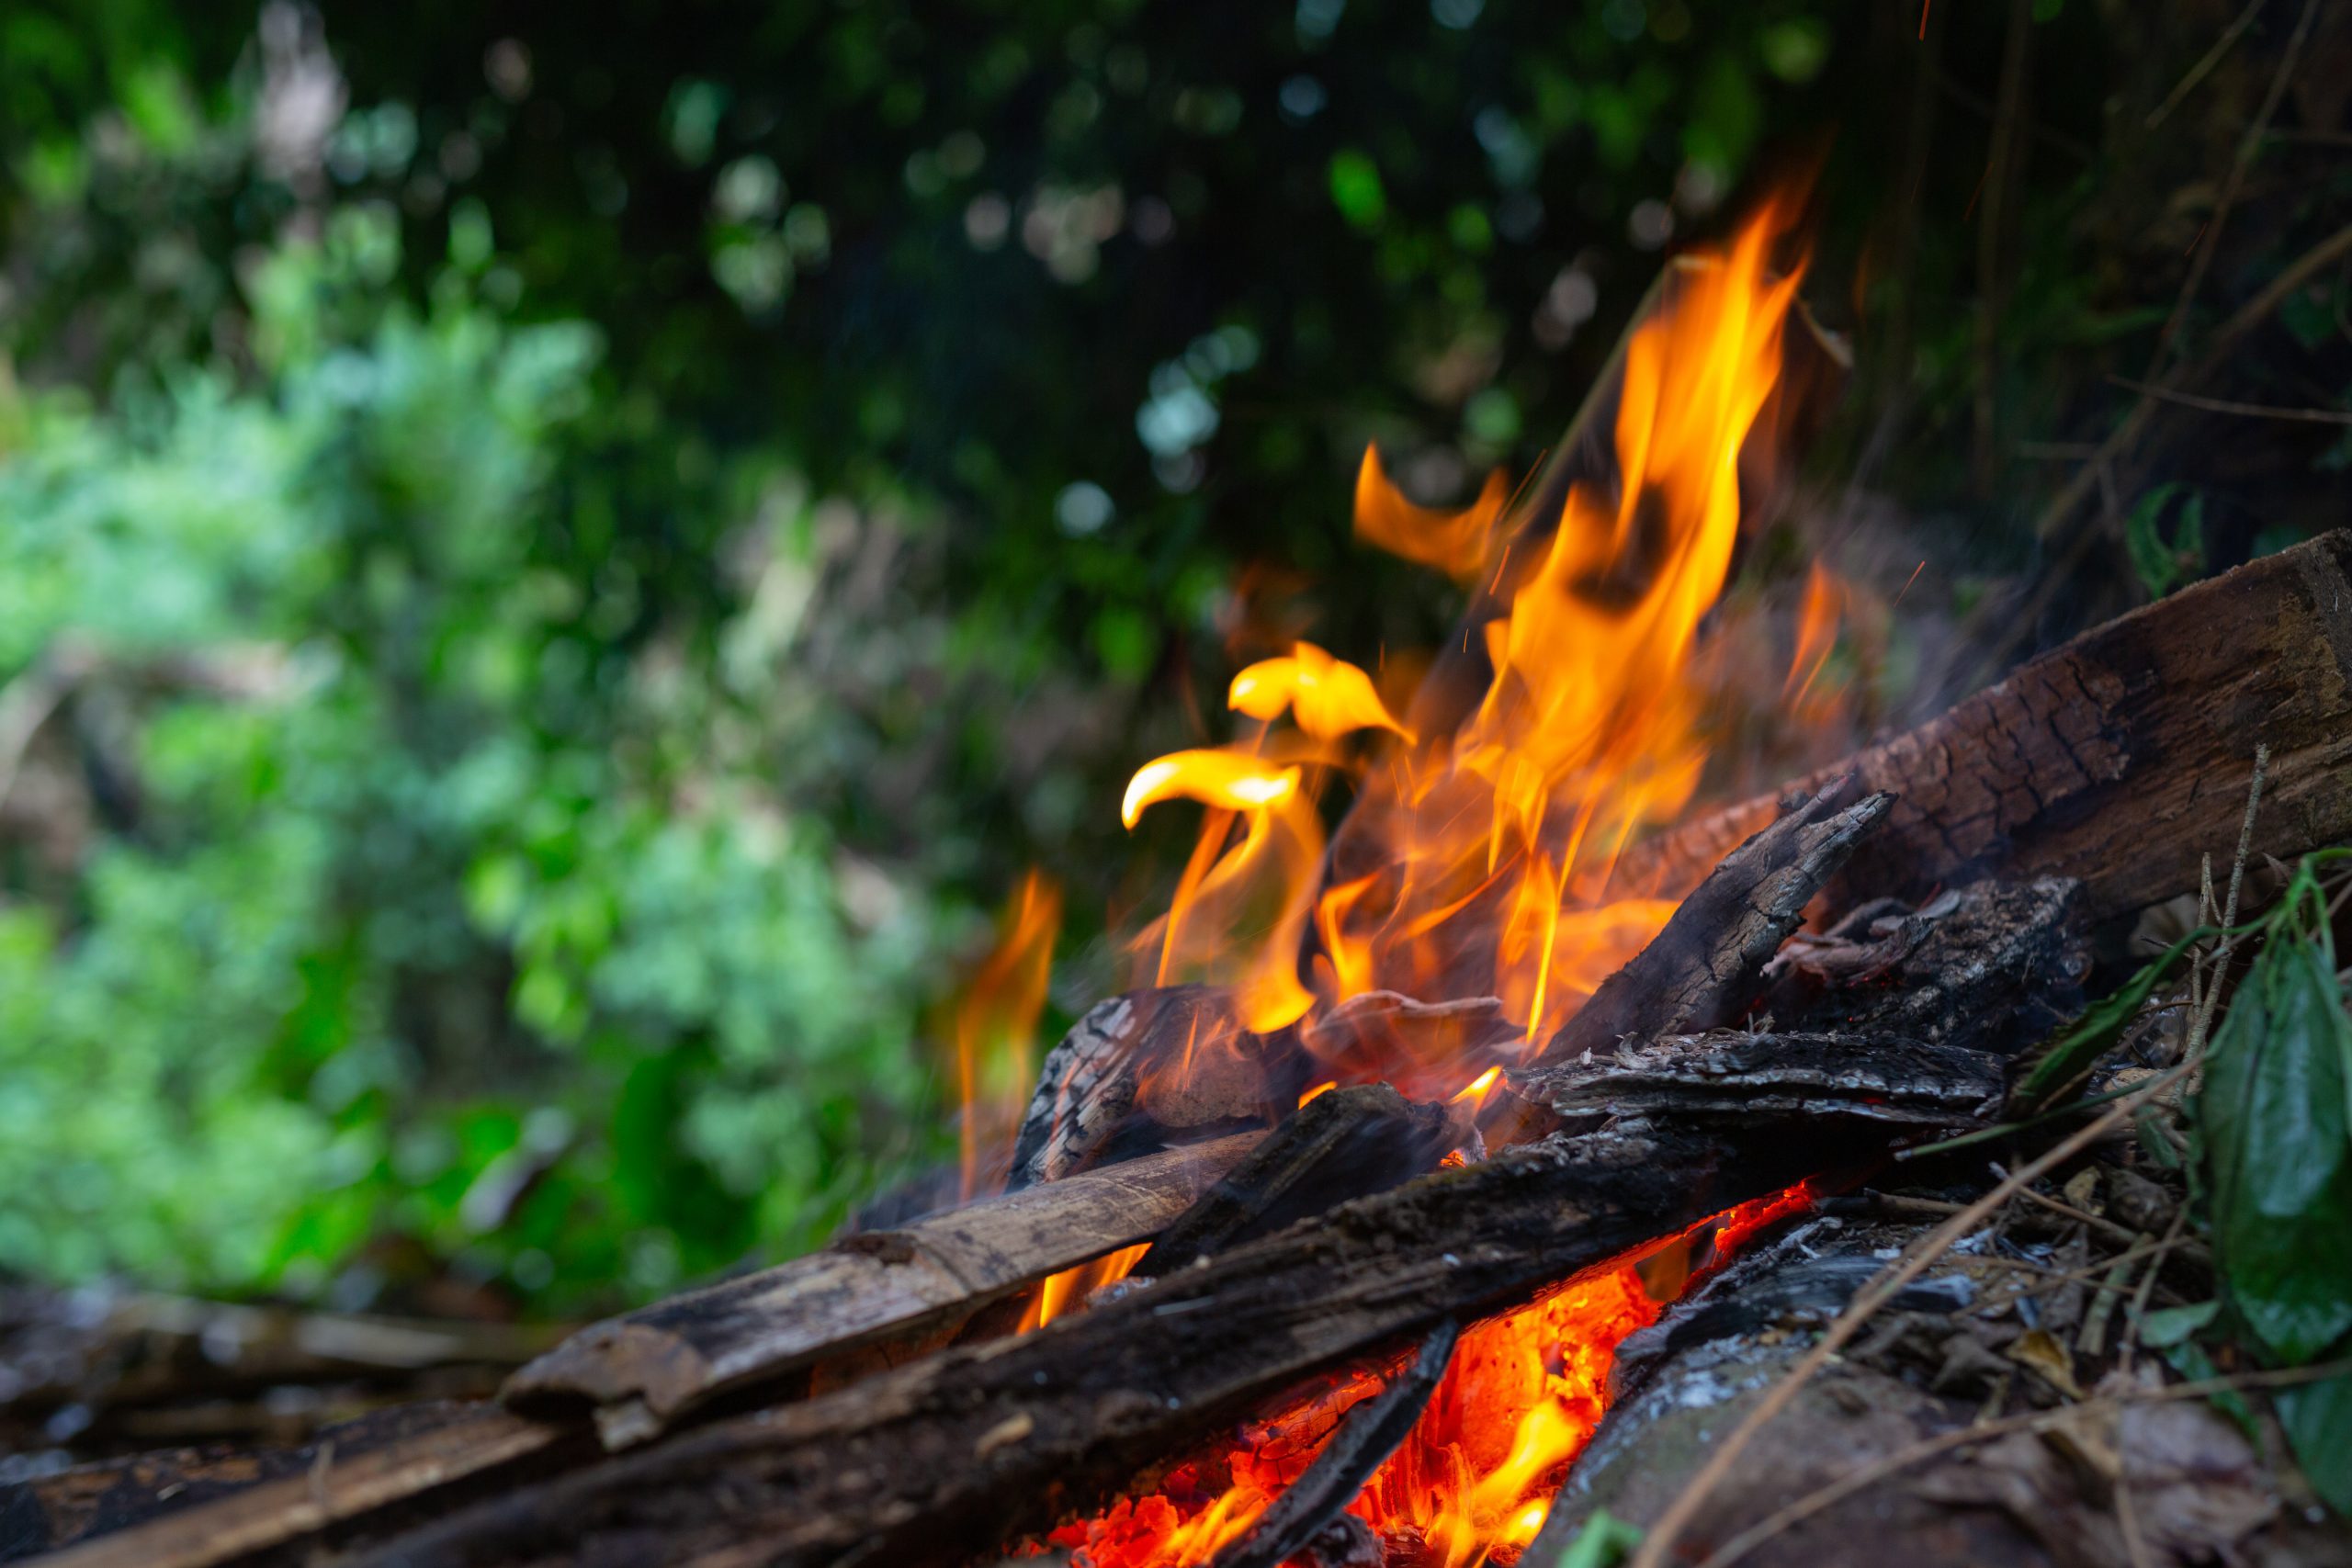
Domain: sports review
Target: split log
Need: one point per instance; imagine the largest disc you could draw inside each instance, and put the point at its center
(648, 1368)
(928, 1463)
(1706, 964)
(2119, 759)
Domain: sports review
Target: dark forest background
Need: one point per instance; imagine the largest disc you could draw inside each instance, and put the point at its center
(555, 562)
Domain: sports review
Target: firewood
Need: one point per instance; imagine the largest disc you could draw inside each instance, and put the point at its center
(648, 1367)
(1706, 965)
(2119, 759)
(399, 1455)
(930, 1462)
(1348, 1143)
(1171, 1059)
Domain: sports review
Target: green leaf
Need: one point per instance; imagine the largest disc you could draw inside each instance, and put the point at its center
(1604, 1541)
(2277, 1141)
(2171, 1325)
(2318, 1421)
(2163, 566)
(2071, 1054)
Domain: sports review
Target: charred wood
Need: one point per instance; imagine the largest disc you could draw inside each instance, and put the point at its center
(1348, 1143)
(1706, 965)
(1146, 1069)
(2119, 760)
(1788, 1078)
(1368, 1435)
(924, 1465)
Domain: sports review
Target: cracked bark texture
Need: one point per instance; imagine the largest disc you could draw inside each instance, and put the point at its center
(1707, 964)
(2119, 759)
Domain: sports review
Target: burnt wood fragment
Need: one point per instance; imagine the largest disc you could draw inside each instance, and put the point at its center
(1347, 1143)
(1365, 1438)
(1703, 968)
(648, 1367)
(1171, 1059)
(1786, 1078)
(2119, 759)
(930, 1462)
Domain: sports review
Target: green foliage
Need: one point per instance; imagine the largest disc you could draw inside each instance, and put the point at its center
(2069, 1059)
(2163, 564)
(1604, 1541)
(375, 780)
(2274, 1140)
(2275, 1118)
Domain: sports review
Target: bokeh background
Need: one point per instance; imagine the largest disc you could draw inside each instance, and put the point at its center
(557, 561)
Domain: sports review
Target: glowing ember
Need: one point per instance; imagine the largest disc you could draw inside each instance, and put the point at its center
(1473, 1483)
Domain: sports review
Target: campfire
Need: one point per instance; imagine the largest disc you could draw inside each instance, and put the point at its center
(1470, 1043)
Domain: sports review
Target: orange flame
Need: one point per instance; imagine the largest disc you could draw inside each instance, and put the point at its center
(1455, 543)
(1328, 697)
(1473, 862)
(995, 1026)
(1817, 631)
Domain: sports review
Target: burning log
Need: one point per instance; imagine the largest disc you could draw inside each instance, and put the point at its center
(2118, 760)
(924, 1463)
(1789, 1076)
(1705, 965)
(916, 1286)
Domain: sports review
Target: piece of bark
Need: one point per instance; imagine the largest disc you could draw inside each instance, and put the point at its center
(1140, 1067)
(1365, 1438)
(1706, 965)
(2119, 759)
(1795, 1079)
(655, 1365)
(1347, 1143)
(931, 1463)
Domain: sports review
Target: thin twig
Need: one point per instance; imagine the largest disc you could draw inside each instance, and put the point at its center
(2138, 1312)
(2227, 405)
(2204, 68)
(1903, 1458)
(2248, 146)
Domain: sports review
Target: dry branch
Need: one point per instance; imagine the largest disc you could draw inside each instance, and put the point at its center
(2118, 758)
